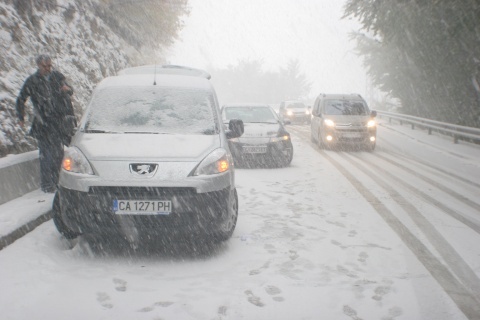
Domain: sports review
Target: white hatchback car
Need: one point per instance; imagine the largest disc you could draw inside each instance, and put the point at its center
(150, 156)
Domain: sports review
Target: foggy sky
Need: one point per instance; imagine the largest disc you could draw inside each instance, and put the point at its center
(219, 33)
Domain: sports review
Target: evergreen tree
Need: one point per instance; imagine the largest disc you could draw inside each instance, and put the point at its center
(426, 53)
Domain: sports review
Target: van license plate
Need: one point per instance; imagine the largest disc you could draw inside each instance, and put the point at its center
(352, 135)
(140, 207)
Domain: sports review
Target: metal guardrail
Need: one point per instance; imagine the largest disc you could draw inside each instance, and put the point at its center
(455, 131)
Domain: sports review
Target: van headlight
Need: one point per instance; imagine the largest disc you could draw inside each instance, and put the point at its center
(216, 162)
(329, 123)
(75, 161)
(371, 123)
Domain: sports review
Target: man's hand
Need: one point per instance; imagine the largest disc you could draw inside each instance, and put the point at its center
(65, 88)
(22, 123)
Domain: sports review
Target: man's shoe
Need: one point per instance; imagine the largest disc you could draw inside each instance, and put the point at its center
(49, 190)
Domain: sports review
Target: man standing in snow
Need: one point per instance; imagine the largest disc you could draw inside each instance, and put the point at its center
(54, 117)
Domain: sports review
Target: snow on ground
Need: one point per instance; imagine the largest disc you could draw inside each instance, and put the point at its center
(308, 245)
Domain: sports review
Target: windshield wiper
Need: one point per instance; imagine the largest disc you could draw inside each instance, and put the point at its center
(99, 131)
(272, 122)
(209, 131)
(144, 132)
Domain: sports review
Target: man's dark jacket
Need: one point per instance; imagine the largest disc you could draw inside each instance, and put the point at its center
(53, 109)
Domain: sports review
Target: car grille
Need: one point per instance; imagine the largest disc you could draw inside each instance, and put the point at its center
(141, 192)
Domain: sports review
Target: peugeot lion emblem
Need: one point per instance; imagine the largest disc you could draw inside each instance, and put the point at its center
(143, 169)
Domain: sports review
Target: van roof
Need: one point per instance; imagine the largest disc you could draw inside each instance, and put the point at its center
(343, 96)
(161, 80)
(165, 69)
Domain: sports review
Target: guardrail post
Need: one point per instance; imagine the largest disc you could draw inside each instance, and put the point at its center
(429, 131)
(413, 126)
(455, 138)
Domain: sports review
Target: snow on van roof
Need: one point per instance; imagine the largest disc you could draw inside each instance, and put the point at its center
(165, 69)
(161, 80)
(351, 96)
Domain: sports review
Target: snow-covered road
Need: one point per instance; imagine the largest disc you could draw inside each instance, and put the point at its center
(391, 234)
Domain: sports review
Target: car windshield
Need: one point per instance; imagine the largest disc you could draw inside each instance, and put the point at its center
(151, 110)
(345, 107)
(250, 114)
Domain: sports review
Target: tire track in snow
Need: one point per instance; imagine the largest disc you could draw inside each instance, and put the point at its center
(464, 290)
(453, 259)
(417, 192)
(430, 167)
(464, 293)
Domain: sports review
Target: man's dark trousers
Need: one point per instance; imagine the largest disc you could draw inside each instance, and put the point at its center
(51, 155)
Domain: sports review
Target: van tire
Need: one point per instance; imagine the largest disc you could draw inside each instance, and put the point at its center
(57, 220)
(229, 227)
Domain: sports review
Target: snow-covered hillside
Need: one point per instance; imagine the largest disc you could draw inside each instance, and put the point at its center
(81, 42)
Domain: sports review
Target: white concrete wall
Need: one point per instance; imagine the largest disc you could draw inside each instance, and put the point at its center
(19, 174)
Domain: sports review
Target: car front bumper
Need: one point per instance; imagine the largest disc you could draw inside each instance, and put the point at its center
(273, 150)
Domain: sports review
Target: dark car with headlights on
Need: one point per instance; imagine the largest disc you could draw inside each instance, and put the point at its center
(343, 120)
(265, 141)
(150, 157)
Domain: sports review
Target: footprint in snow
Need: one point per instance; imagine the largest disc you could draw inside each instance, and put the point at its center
(352, 313)
(362, 257)
(380, 292)
(254, 299)
(120, 285)
(104, 300)
(274, 291)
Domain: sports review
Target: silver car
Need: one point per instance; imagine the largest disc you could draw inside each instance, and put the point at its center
(150, 156)
(343, 120)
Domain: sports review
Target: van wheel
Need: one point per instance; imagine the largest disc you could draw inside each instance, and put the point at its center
(228, 227)
(312, 137)
(57, 220)
(370, 147)
(320, 143)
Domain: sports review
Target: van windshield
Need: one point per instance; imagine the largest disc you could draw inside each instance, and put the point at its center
(152, 110)
(346, 107)
(295, 105)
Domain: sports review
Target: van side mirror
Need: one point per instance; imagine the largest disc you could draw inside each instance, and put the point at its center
(235, 128)
(373, 114)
